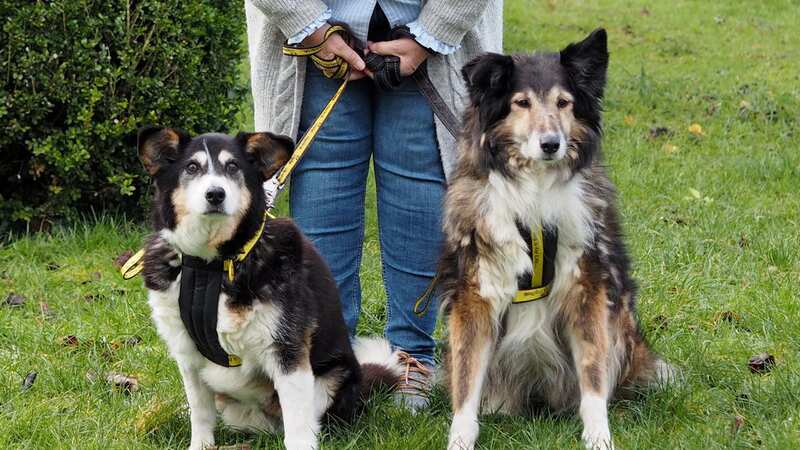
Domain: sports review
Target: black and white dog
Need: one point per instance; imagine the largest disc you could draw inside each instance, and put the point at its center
(270, 320)
(540, 301)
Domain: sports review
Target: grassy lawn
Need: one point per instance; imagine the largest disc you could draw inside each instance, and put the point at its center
(712, 220)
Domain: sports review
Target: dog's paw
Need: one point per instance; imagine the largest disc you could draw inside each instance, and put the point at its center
(161, 263)
(300, 443)
(463, 433)
(597, 440)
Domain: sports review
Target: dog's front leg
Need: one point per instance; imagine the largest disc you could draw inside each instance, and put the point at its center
(589, 341)
(295, 388)
(203, 413)
(471, 337)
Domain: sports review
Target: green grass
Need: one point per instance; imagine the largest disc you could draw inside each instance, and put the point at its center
(731, 67)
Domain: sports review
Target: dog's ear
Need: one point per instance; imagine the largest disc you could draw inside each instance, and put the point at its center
(269, 151)
(488, 78)
(490, 73)
(586, 63)
(159, 147)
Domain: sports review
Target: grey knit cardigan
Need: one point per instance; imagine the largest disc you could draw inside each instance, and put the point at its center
(277, 81)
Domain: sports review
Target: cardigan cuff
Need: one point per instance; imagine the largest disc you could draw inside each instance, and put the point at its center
(310, 28)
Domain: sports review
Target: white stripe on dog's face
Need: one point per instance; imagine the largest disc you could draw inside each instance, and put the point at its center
(541, 123)
(209, 202)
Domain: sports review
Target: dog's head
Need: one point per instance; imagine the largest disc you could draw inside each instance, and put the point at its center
(209, 188)
(540, 110)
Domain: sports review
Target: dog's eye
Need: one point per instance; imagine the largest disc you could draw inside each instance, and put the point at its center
(231, 167)
(523, 103)
(192, 168)
(562, 103)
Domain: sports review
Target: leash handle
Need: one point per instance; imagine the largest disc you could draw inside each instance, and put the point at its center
(335, 67)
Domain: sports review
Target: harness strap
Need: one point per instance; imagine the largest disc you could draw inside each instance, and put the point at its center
(543, 243)
(542, 251)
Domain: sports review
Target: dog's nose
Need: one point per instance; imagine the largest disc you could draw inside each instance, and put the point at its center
(550, 143)
(215, 196)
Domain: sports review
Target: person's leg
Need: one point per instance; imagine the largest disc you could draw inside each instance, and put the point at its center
(411, 185)
(327, 187)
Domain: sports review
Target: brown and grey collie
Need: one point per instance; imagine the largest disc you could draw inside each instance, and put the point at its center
(530, 165)
(246, 305)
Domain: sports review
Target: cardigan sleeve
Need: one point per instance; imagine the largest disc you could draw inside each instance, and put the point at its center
(449, 20)
(290, 16)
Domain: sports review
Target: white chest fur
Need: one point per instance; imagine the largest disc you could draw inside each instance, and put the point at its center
(536, 203)
(240, 332)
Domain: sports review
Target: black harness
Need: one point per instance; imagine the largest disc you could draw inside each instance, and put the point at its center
(201, 284)
(542, 245)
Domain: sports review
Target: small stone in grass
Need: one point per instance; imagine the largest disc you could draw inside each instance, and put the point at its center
(70, 341)
(13, 299)
(29, 380)
(126, 383)
(120, 260)
(761, 363)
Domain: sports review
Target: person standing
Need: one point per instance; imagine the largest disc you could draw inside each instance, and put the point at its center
(412, 149)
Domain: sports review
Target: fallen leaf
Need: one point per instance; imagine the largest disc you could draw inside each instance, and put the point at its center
(659, 131)
(670, 148)
(743, 241)
(13, 299)
(126, 383)
(695, 193)
(738, 423)
(70, 341)
(761, 363)
(89, 298)
(120, 260)
(629, 120)
(744, 107)
(644, 12)
(696, 129)
(133, 341)
(27, 383)
(727, 316)
(661, 322)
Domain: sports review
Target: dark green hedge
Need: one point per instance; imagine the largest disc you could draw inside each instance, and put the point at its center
(78, 77)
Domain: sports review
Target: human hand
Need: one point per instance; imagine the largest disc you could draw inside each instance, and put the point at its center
(411, 54)
(336, 46)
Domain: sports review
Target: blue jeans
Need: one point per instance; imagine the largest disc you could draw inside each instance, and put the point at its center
(328, 188)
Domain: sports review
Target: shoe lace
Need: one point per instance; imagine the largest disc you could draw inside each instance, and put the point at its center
(409, 382)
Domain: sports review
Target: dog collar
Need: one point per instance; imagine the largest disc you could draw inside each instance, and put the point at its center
(542, 251)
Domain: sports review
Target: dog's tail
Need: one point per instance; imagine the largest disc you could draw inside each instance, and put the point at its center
(380, 365)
